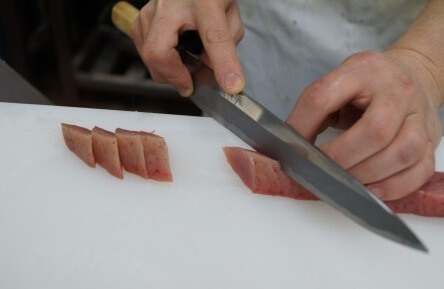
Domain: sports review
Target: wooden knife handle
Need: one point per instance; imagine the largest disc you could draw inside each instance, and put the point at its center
(123, 16)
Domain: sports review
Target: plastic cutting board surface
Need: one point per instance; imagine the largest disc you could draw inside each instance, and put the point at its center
(65, 225)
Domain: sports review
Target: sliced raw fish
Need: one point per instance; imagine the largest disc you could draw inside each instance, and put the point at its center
(264, 175)
(106, 151)
(131, 152)
(79, 141)
(156, 157)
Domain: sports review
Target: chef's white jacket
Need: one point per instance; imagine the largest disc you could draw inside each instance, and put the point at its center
(290, 43)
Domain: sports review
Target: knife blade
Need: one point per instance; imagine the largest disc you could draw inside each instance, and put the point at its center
(306, 164)
(268, 134)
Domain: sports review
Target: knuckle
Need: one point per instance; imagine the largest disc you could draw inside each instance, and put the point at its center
(365, 58)
(240, 33)
(378, 130)
(406, 85)
(176, 78)
(404, 157)
(412, 149)
(158, 57)
(169, 76)
(216, 36)
(315, 95)
(417, 140)
(153, 56)
(156, 77)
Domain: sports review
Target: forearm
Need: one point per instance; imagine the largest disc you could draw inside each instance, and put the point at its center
(423, 44)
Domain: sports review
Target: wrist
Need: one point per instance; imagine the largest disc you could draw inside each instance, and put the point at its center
(422, 70)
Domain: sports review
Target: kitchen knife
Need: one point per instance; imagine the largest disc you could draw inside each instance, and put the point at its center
(269, 135)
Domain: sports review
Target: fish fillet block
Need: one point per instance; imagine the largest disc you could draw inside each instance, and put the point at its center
(264, 175)
(426, 201)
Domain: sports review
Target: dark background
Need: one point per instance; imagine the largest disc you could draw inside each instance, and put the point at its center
(71, 52)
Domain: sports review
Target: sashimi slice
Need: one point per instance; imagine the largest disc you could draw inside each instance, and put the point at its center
(131, 152)
(264, 175)
(106, 151)
(79, 141)
(156, 157)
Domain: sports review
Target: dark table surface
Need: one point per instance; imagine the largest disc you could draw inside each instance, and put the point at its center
(13, 88)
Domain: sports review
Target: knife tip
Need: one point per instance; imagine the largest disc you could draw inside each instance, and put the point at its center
(420, 246)
(396, 230)
(412, 241)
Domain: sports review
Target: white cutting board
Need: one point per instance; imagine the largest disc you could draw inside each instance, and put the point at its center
(65, 225)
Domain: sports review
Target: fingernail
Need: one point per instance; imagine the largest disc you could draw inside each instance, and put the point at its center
(377, 191)
(234, 83)
(185, 92)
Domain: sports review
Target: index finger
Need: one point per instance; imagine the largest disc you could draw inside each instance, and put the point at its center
(221, 48)
(324, 97)
(160, 55)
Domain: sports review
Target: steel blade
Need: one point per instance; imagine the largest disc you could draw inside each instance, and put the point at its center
(300, 159)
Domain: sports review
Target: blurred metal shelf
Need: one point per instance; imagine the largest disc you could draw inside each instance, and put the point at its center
(109, 62)
(106, 62)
